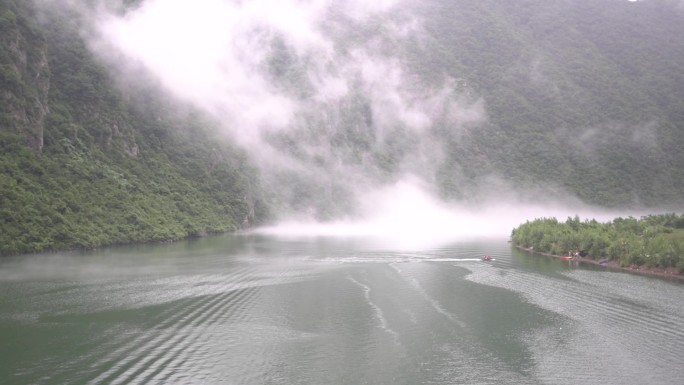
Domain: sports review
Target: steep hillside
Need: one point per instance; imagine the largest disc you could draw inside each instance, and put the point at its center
(85, 165)
(582, 95)
(536, 99)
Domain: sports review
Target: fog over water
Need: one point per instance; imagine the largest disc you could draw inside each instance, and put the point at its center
(406, 216)
(321, 94)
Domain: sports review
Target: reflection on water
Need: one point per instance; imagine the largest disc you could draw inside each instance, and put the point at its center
(261, 310)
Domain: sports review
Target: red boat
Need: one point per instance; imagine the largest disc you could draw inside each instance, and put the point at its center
(486, 258)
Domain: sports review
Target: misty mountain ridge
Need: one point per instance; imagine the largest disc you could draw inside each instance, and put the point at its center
(152, 120)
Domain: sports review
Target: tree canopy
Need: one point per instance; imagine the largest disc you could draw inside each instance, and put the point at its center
(654, 240)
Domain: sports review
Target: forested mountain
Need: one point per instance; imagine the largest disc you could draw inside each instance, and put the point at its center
(85, 165)
(583, 94)
(582, 98)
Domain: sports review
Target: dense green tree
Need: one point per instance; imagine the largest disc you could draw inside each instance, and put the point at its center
(629, 240)
(111, 169)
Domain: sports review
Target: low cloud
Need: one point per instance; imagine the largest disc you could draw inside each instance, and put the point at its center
(339, 115)
(211, 54)
(408, 214)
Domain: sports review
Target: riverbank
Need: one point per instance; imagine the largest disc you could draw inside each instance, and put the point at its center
(668, 273)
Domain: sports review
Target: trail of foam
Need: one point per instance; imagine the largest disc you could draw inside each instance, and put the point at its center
(393, 260)
(395, 268)
(434, 303)
(378, 312)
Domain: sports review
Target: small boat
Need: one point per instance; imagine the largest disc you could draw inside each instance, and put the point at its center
(486, 258)
(603, 261)
(566, 258)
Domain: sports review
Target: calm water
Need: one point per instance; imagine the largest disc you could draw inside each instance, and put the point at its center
(258, 310)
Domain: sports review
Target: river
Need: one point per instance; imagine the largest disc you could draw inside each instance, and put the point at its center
(255, 309)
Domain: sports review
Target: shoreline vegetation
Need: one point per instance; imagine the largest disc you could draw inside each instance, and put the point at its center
(652, 245)
(669, 273)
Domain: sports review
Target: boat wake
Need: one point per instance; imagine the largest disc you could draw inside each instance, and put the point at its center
(369, 259)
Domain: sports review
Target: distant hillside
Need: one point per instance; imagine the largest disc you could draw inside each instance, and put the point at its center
(538, 98)
(585, 95)
(551, 98)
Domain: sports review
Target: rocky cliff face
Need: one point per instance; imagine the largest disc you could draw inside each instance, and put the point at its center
(24, 74)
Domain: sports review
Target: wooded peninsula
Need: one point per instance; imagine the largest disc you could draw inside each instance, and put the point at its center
(650, 242)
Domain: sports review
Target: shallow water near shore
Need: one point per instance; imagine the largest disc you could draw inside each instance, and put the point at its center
(255, 309)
